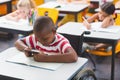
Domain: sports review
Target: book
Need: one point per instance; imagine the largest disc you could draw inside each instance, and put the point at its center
(20, 58)
(96, 26)
(20, 25)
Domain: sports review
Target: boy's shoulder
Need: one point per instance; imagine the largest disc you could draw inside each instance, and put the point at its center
(60, 37)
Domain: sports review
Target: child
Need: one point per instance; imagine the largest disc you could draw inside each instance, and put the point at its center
(105, 16)
(47, 41)
(25, 13)
(24, 10)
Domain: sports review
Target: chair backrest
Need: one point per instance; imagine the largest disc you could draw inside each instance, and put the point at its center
(39, 2)
(51, 12)
(3, 9)
(102, 51)
(76, 41)
(117, 20)
(114, 1)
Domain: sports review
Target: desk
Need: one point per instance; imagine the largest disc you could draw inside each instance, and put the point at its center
(70, 8)
(8, 3)
(73, 28)
(21, 27)
(65, 72)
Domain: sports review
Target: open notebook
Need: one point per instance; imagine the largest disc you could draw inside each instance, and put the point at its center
(96, 26)
(20, 25)
(20, 58)
(21, 22)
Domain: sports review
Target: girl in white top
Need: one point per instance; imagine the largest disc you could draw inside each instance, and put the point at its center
(24, 10)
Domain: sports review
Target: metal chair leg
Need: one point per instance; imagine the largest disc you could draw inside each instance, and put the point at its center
(92, 61)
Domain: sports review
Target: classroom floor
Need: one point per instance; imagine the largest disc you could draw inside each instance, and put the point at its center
(103, 68)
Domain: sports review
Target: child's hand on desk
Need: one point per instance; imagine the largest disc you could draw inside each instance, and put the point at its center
(16, 19)
(39, 57)
(27, 51)
(87, 25)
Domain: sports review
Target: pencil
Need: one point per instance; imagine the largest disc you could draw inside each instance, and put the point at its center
(85, 20)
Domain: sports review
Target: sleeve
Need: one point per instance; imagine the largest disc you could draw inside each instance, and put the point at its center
(65, 45)
(29, 41)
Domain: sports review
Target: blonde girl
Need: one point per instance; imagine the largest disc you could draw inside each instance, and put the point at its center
(24, 10)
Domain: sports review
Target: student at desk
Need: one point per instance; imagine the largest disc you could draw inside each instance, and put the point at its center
(25, 13)
(52, 46)
(105, 16)
(25, 9)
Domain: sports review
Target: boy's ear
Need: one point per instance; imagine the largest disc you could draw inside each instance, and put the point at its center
(54, 30)
(56, 27)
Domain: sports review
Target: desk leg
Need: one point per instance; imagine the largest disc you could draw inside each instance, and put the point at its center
(9, 7)
(113, 60)
(76, 15)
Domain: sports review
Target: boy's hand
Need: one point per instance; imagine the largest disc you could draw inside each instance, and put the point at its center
(27, 51)
(39, 57)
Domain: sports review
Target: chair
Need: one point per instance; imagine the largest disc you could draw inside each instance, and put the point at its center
(85, 74)
(39, 2)
(102, 52)
(14, 4)
(3, 9)
(77, 42)
(51, 12)
(117, 20)
(114, 1)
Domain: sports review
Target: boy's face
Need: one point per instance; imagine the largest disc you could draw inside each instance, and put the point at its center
(45, 38)
(102, 15)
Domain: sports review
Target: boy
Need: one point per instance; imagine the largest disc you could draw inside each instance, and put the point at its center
(53, 47)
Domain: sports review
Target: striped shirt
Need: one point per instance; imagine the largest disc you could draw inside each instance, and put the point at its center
(59, 45)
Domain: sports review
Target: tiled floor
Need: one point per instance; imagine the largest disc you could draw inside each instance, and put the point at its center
(103, 71)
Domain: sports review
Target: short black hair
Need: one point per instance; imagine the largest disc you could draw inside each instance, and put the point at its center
(43, 22)
(108, 8)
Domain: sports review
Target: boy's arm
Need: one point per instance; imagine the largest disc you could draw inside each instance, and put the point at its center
(19, 44)
(69, 56)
